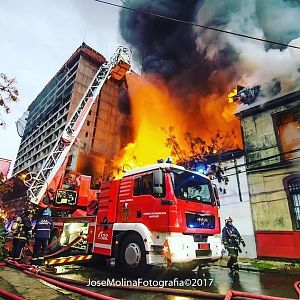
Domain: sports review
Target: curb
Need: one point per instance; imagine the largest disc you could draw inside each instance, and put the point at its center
(263, 270)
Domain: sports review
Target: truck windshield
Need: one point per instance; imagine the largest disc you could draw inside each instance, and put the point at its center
(191, 186)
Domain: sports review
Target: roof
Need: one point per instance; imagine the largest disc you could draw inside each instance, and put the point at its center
(224, 156)
(152, 167)
(160, 166)
(260, 106)
(89, 53)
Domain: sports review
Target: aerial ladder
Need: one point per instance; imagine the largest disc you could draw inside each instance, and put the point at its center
(38, 183)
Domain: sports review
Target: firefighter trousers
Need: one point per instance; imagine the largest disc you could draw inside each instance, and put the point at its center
(18, 246)
(39, 250)
(232, 263)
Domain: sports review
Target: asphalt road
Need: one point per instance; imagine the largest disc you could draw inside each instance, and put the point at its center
(212, 279)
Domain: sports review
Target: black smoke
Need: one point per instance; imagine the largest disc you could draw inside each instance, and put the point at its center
(168, 48)
(197, 61)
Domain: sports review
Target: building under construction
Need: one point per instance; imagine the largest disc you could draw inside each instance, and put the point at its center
(99, 140)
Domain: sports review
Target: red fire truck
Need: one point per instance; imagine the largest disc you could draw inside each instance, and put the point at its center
(157, 215)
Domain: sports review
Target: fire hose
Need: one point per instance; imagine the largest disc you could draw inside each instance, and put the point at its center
(7, 294)
(169, 291)
(230, 294)
(297, 288)
(65, 248)
(35, 272)
(67, 283)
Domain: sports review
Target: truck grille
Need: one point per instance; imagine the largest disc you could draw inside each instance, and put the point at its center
(200, 221)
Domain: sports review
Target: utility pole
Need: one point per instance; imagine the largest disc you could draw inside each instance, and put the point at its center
(237, 178)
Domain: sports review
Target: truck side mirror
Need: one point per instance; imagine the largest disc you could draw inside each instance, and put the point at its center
(216, 192)
(157, 182)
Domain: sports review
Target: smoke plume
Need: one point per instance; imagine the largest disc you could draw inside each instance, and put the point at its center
(198, 62)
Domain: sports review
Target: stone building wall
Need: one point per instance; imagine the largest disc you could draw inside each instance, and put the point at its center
(268, 197)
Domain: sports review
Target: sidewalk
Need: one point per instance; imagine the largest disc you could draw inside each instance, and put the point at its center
(261, 265)
(28, 287)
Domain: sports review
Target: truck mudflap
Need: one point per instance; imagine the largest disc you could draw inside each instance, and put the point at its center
(183, 249)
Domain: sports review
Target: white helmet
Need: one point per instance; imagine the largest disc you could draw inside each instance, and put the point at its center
(228, 219)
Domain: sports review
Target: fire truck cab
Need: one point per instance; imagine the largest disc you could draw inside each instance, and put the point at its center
(159, 215)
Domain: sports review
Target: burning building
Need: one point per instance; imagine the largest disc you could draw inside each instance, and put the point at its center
(271, 132)
(191, 69)
(100, 139)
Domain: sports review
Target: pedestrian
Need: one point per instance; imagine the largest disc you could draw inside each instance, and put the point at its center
(231, 240)
(21, 230)
(42, 235)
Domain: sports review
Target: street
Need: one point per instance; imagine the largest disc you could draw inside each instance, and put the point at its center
(162, 133)
(217, 280)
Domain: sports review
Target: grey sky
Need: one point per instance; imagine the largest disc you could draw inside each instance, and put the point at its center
(37, 37)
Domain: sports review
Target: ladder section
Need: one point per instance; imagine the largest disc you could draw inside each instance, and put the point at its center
(116, 67)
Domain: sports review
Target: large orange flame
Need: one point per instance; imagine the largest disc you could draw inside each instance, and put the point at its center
(154, 109)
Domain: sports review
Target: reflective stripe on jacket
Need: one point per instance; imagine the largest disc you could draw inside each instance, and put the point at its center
(21, 228)
(43, 227)
(231, 236)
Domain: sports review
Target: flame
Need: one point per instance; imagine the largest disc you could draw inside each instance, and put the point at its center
(231, 94)
(153, 108)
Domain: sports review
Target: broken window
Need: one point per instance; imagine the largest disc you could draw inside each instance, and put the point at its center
(288, 131)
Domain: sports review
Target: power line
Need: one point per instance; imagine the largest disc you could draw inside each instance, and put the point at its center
(253, 162)
(262, 168)
(195, 24)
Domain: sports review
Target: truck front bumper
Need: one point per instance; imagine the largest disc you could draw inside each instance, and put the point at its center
(182, 248)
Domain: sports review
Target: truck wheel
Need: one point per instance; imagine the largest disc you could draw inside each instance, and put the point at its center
(133, 256)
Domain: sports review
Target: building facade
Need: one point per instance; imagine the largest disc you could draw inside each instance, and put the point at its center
(99, 140)
(271, 134)
(234, 197)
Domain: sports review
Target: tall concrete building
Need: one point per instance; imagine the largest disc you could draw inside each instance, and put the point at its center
(99, 140)
(272, 148)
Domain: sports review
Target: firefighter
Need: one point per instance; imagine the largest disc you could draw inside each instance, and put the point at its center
(42, 234)
(231, 240)
(21, 230)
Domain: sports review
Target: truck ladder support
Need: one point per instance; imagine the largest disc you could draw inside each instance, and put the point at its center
(38, 184)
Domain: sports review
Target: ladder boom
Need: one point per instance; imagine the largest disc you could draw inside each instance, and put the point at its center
(119, 64)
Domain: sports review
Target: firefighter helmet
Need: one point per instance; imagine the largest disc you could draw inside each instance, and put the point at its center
(47, 212)
(228, 219)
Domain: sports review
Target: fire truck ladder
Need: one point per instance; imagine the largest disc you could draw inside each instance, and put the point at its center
(116, 67)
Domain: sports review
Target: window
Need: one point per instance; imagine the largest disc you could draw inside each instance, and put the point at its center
(143, 185)
(86, 134)
(88, 123)
(292, 188)
(191, 186)
(288, 131)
